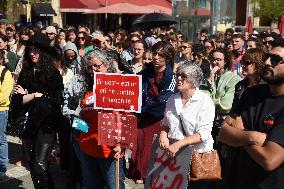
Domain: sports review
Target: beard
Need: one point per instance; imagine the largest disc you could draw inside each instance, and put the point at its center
(270, 77)
(24, 42)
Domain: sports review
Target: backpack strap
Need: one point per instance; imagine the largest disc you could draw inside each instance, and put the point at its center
(3, 74)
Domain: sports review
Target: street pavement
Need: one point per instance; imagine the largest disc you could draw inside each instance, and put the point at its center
(20, 176)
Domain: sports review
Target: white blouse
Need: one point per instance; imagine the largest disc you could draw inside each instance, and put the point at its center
(197, 117)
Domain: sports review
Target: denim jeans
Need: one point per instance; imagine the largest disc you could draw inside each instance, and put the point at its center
(3, 141)
(99, 172)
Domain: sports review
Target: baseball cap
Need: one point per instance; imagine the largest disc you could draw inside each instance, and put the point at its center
(10, 26)
(98, 37)
(4, 21)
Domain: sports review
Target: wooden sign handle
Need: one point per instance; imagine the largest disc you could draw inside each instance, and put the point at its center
(117, 173)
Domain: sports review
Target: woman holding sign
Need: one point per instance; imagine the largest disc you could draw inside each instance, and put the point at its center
(98, 162)
(188, 117)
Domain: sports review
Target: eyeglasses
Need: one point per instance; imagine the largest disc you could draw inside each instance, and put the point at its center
(208, 47)
(267, 42)
(184, 47)
(274, 58)
(182, 75)
(49, 33)
(82, 38)
(97, 66)
(138, 50)
(198, 55)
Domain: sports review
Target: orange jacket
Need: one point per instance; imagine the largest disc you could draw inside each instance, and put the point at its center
(89, 141)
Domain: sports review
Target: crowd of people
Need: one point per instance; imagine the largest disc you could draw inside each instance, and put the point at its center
(221, 92)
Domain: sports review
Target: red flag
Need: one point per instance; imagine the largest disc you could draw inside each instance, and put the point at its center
(249, 25)
(281, 25)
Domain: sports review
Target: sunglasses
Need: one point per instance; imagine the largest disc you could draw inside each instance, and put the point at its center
(247, 63)
(81, 38)
(198, 55)
(267, 42)
(182, 75)
(49, 33)
(9, 30)
(274, 58)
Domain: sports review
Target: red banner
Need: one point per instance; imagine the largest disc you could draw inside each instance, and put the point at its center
(118, 92)
(114, 128)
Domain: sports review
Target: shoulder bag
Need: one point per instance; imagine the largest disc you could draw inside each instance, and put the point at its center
(204, 166)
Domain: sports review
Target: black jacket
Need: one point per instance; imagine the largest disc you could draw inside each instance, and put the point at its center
(44, 112)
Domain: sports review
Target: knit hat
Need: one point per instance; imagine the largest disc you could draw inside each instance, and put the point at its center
(51, 29)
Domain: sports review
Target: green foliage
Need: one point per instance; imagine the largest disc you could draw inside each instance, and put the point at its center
(3, 5)
(271, 9)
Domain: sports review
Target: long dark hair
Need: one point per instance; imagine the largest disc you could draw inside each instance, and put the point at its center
(87, 39)
(44, 66)
(23, 31)
(5, 39)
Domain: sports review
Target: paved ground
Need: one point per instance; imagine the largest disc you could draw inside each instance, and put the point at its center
(20, 176)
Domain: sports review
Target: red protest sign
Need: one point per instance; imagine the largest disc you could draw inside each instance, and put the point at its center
(118, 92)
(116, 128)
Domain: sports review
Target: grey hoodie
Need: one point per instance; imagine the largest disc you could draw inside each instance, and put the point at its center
(75, 65)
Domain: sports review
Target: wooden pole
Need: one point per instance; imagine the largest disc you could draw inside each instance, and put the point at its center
(117, 173)
(118, 123)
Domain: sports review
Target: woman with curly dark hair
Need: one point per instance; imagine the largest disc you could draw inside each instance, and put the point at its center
(39, 90)
(221, 85)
